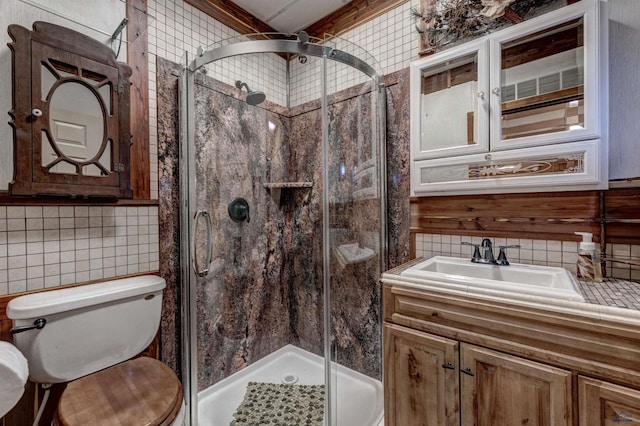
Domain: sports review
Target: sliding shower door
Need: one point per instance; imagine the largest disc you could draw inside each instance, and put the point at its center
(356, 247)
(283, 233)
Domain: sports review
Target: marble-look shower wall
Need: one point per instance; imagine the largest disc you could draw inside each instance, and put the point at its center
(242, 304)
(265, 285)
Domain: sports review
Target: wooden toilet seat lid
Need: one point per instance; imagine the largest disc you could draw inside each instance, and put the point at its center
(141, 391)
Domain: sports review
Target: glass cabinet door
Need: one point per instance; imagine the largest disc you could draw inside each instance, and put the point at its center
(450, 104)
(542, 89)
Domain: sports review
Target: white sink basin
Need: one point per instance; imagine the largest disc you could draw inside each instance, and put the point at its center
(516, 278)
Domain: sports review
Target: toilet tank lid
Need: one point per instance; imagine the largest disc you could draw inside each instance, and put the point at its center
(36, 305)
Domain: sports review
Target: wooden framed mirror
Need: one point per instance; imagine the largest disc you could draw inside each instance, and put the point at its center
(70, 115)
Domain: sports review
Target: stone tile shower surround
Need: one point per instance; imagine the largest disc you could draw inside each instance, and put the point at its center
(265, 287)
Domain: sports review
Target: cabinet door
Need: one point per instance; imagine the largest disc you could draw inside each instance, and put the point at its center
(606, 404)
(547, 79)
(421, 379)
(450, 103)
(503, 390)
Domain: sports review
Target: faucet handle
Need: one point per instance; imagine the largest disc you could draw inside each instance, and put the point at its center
(502, 256)
(476, 251)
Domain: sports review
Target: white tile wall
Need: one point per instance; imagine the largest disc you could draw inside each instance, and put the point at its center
(537, 252)
(390, 38)
(179, 27)
(49, 246)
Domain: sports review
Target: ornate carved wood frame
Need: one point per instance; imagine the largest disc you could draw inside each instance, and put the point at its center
(70, 57)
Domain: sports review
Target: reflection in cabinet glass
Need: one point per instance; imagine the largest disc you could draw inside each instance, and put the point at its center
(450, 98)
(542, 88)
(452, 103)
(548, 81)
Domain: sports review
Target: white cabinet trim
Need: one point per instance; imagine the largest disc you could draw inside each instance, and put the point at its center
(529, 183)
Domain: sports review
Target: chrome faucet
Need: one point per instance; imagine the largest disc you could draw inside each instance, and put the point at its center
(483, 253)
(502, 256)
(487, 251)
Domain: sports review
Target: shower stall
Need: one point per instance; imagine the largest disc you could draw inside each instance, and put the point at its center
(283, 233)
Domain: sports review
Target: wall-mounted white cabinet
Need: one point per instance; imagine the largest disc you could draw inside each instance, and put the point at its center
(521, 109)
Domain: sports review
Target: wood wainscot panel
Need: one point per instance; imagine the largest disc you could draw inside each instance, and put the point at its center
(622, 215)
(543, 215)
(612, 216)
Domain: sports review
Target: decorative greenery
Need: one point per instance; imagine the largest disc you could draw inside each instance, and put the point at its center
(452, 20)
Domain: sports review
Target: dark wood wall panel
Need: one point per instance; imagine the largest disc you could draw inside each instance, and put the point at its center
(612, 214)
(232, 15)
(137, 58)
(535, 215)
(347, 17)
(622, 204)
(350, 16)
(622, 216)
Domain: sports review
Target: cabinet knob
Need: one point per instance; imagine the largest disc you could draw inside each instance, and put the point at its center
(487, 157)
(496, 91)
(481, 95)
(448, 366)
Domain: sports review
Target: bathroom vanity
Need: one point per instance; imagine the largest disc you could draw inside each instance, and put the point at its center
(459, 356)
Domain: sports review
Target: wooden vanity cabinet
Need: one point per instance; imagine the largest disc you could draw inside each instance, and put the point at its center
(456, 359)
(421, 378)
(603, 403)
(497, 389)
(434, 381)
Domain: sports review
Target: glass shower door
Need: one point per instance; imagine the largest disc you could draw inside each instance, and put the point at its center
(356, 252)
(241, 305)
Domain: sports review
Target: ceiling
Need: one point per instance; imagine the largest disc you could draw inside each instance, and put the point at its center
(290, 15)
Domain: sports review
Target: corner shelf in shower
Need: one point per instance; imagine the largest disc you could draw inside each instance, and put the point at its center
(285, 185)
(275, 188)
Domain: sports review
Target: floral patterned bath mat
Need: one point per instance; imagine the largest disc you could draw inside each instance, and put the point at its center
(280, 405)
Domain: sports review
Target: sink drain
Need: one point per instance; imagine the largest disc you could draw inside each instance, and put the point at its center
(289, 379)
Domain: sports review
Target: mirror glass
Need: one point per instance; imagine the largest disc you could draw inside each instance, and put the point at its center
(449, 104)
(77, 124)
(542, 89)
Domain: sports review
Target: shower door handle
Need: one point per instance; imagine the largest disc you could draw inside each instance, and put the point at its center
(202, 272)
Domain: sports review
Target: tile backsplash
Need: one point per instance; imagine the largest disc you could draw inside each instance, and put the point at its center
(50, 246)
(537, 252)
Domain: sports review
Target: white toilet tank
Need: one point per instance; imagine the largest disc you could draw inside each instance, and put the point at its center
(88, 328)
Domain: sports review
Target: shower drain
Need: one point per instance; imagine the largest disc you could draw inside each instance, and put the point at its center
(289, 379)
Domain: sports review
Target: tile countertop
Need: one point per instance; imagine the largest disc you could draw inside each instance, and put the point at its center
(612, 292)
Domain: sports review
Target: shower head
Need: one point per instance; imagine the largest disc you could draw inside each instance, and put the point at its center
(254, 97)
(303, 37)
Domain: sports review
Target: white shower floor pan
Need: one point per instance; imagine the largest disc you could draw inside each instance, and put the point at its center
(359, 397)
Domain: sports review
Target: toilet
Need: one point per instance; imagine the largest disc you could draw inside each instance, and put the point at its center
(88, 336)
